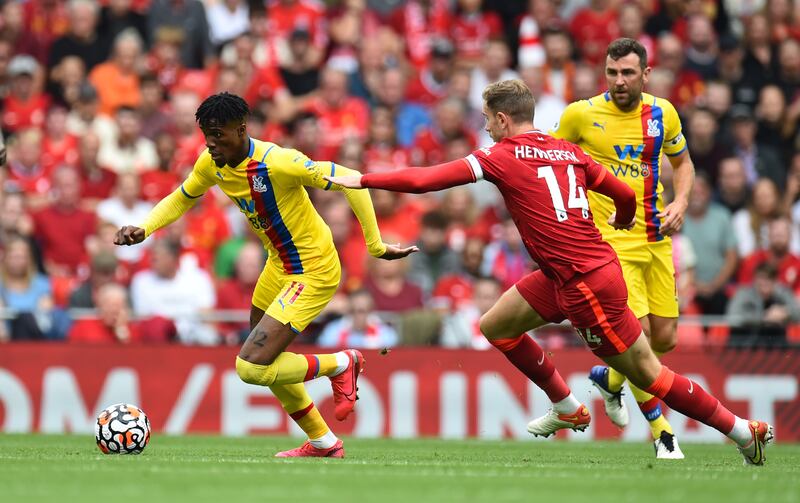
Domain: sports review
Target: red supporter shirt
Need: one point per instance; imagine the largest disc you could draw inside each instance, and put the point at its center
(98, 184)
(471, 32)
(380, 158)
(62, 234)
(157, 184)
(410, 297)
(36, 182)
(424, 90)
(283, 19)
(265, 82)
(19, 115)
(593, 31)
(429, 147)
(788, 268)
(350, 119)
(56, 153)
(418, 28)
(232, 294)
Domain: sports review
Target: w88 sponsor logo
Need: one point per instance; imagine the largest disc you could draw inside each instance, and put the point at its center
(631, 170)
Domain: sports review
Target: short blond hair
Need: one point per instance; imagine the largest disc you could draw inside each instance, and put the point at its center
(512, 97)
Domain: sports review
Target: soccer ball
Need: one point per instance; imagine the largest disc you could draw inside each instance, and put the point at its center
(122, 429)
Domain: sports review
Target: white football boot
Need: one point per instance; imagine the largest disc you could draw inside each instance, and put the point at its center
(552, 422)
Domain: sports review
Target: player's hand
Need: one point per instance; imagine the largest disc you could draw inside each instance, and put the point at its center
(395, 251)
(129, 235)
(348, 182)
(612, 221)
(672, 217)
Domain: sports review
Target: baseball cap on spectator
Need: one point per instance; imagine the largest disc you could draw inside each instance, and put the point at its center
(741, 113)
(728, 43)
(22, 65)
(442, 48)
(300, 33)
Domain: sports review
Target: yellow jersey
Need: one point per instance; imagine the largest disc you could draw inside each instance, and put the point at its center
(268, 188)
(630, 145)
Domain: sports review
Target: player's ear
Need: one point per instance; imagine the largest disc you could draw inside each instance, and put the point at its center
(646, 74)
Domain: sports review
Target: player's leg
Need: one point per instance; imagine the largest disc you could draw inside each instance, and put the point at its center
(644, 369)
(505, 326)
(608, 381)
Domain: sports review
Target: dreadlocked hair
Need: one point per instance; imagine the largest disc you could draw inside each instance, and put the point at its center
(221, 108)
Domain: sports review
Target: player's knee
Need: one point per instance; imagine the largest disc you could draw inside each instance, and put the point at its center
(663, 345)
(252, 373)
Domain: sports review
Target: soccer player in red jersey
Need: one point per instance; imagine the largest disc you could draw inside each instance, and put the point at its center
(544, 182)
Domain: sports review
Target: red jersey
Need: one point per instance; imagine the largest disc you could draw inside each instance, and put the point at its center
(471, 32)
(544, 182)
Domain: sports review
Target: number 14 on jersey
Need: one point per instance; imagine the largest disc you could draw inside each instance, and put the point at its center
(577, 196)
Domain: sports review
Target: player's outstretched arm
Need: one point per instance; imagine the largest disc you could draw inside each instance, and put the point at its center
(165, 212)
(414, 180)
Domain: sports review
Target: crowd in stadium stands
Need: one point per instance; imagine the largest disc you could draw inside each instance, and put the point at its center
(98, 102)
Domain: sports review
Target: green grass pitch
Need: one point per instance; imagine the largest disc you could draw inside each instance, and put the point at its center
(36, 468)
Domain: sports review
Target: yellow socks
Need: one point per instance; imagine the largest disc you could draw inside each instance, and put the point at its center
(290, 368)
(615, 380)
(297, 403)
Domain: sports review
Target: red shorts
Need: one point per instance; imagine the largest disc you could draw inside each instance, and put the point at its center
(595, 303)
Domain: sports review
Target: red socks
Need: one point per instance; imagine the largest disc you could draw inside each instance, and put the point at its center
(525, 354)
(688, 398)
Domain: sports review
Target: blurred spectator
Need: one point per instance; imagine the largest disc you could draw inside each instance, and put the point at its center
(82, 38)
(782, 18)
(61, 229)
(16, 30)
(6, 53)
(759, 314)
(153, 113)
(286, 16)
(549, 107)
(732, 190)
(164, 58)
(730, 70)
(558, 72)
(458, 207)
(190, 17)
(382, 151)
(707, 152)
(777, 254)
(462, 328)
(531, 51)
(775, 127)
(84, 115)
(431, 82)
(161, 291)
(789, 77)
(494, 67)
(113, 322)
(420, 23)
(189, 138)
(387, 283)
(453, 289)
(159, 183)
(103, 269)
(759, 60)
(15, 220)
(631, 19)
(701, 53)
(759, 160)
(397, 215)
(661, 82)
(25, 105)
(25, 291)
(117, 16)
(708, 227)
(350, 22)
(593, 28)
(684, 259)
(471, 31)
(304, 135)
(348, 240)
(117, 80)
(435, 258)
(97, 181)
(688, 84)
(227, 20)
(428, 148)
(126, 208)
(506, 258)
(58, 146)
(127, 151)
(584, 83)
(340, 116)
(360, 328)
(236, 293)
(409, 118)
(66, 80)
(300, 71)
(750, 224)
(25, 171)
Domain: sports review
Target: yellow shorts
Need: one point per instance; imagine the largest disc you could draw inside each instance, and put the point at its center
(650, 277)
(295, 299)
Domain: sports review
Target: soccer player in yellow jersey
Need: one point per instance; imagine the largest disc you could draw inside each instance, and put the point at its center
(302, 273)
(628, 131)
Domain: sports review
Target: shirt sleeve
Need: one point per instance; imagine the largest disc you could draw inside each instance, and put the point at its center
(569, 126)
(674, 141)
(484, 163)
(184, 197)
